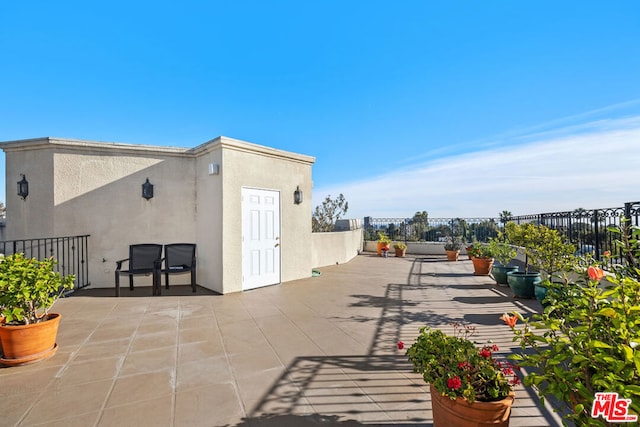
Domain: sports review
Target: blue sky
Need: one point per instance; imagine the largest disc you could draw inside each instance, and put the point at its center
(388, 97)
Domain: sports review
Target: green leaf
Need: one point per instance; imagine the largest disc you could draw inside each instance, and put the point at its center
(628, 353)
(607, 311)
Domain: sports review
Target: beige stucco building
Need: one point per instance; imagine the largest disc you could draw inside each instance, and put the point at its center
(234, 199)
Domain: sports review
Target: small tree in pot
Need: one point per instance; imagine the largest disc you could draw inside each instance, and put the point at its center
(504, 253)
(28, 290)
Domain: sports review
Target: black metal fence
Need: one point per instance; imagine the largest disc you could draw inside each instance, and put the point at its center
(589, 229)
(71, 252)
(432, 229)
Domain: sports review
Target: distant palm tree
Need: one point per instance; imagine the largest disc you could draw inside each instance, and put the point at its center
(505, 217)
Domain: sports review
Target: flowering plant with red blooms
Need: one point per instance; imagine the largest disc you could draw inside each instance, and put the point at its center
(456, 367)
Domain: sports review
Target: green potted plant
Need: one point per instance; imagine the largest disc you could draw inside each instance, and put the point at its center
(482, 258)
(526, 236)
(468, 247)
(28, 290)
(452, 248)
(504, 253)
(469, 387)
(554, 258)
(384, 242)
(401, 249)
(586, 345)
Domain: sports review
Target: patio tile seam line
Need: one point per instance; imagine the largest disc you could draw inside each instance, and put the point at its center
(117, 375)
(283, 366)
(66, 366)
(227, 357)
(293, 381)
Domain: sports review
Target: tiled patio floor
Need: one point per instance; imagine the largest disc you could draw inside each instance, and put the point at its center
(319, 351)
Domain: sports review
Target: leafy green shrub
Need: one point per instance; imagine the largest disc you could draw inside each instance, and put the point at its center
(28, 288)
(502, 251)
(586, 341)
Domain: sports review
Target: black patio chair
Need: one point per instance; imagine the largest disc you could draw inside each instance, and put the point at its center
(144, 259)
(180, 258)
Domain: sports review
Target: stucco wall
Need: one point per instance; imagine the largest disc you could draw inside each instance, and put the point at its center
(264, 168)
(34, 216)
(336, 247)
(416, 248)
(84, 187)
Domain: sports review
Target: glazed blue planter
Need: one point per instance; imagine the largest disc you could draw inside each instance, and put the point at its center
(523, 284)
(499, 274)
(541, 292)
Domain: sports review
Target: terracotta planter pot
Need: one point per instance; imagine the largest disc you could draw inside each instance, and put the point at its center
(382, 246)
(452, 255)
(461, 413)
(22, 344)
(400, 252)
(482, 266)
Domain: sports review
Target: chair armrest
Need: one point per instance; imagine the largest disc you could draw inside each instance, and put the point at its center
(119, 264)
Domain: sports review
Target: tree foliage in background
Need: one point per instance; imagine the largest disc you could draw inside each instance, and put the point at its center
(505, 217)
(420, 225)
(325, 215)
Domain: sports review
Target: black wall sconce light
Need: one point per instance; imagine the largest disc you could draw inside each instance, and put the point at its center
(147, 189)
(23, 187)
(297, 195)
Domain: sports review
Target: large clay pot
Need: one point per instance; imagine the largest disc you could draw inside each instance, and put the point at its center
(482, 266)
(452, 255)
(523, 284)
(401, 252)
(383, 246)
(22, 344)
(499, 273)
(461, 413)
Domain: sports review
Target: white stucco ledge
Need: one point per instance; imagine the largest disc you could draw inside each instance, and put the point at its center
(211, 145)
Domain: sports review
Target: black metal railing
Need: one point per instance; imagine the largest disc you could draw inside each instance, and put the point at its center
(589, 229)
(432, 229)
(70, 252)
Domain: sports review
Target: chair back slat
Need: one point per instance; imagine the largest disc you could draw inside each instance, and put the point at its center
(180, 254)
(142, 256)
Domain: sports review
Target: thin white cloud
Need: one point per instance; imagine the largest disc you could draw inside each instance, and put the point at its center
(592, 165)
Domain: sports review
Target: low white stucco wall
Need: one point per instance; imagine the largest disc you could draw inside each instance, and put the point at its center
(415, 248)
(336, 247)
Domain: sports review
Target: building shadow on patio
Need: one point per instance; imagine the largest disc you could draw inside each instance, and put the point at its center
(379, 387)
(374, 389)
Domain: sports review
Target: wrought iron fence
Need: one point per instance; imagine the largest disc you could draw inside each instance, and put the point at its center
(70, 252)
(432, 229)
(589, 229)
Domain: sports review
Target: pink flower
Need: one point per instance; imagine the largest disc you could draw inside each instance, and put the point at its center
(485, 352)
(595, 273)
(400, 345)
(495, 347)
(454, 383)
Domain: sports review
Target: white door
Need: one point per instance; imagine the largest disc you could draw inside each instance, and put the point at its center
(260, 238)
